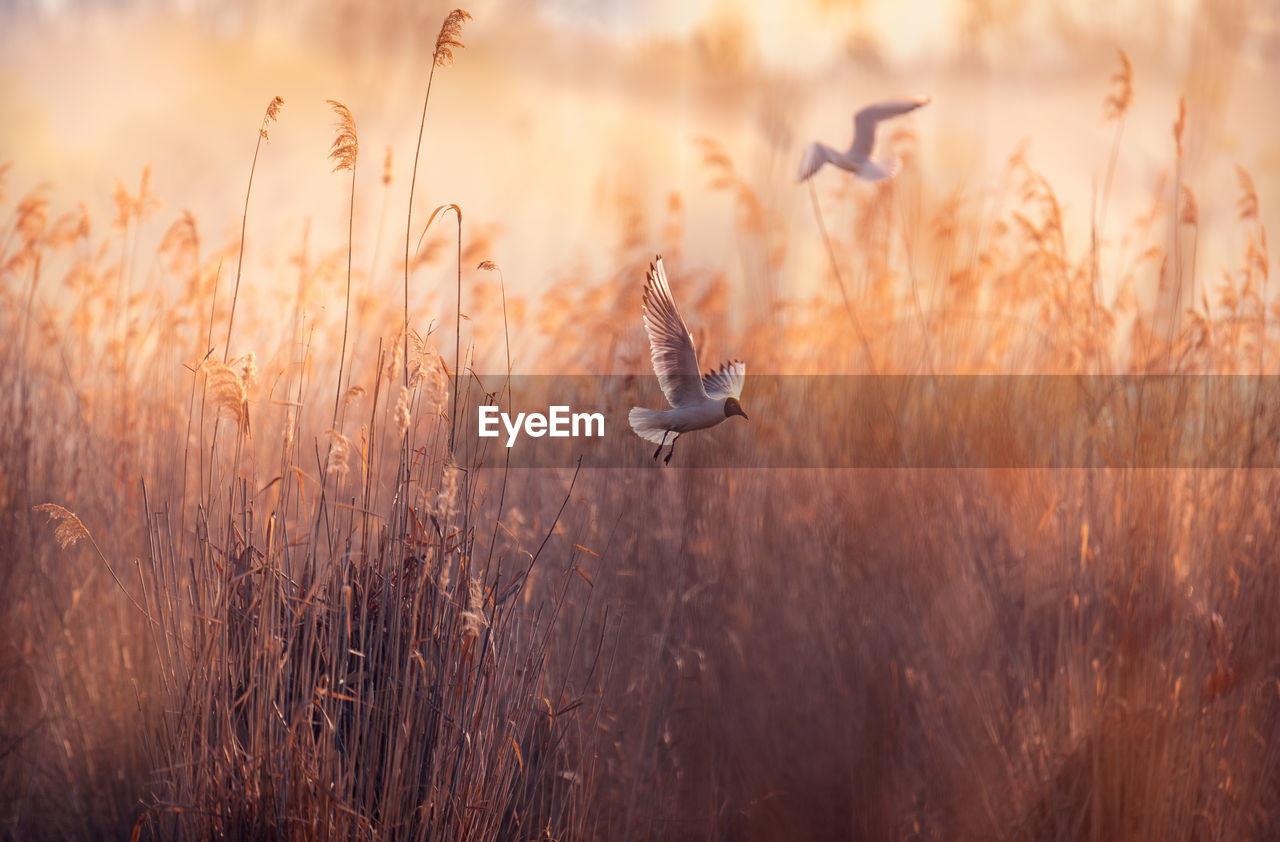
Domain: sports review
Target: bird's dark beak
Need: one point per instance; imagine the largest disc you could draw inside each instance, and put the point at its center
(738, 411)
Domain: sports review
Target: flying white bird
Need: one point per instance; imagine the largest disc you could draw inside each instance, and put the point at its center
(858, 159)
(698, 401)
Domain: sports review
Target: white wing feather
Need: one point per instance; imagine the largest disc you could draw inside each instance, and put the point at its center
(815, 155)
(726, 382)
(864, 122)
(670, 345)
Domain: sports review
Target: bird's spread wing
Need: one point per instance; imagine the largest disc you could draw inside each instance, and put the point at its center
(670, 345)
(815, 155)
(879, 170)
(727, 381)
(864, 122)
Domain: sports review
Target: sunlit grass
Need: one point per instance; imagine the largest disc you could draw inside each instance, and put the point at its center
(273, 600)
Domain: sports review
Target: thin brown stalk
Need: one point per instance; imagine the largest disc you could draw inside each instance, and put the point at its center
(345, 150)
(443, 56)
(457, 339)
(69, 530)
(271, 115)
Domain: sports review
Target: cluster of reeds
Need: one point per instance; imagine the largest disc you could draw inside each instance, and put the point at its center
(278, 615)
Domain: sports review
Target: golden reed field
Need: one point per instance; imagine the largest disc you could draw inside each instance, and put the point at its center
(995, 557)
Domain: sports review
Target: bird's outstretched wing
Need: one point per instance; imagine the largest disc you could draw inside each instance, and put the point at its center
(815, 155)
(879, 170)
(864, 122)
(725, 382)
(670, 345)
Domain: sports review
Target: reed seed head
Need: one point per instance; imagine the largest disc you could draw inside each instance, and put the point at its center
(272, 115)
(346, 145)
(69, 528)
(1121, 96)
(450, 31)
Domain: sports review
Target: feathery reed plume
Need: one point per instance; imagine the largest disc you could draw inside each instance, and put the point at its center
(1114, 107)
(402, 411)
(346, 145)
(353, 394)
(124, 205)
(473, 619)
(339, 454)
(1248, 204)
(1190, 214)
(32, 218)
(83, 226)
(448, 37)
(1180, 124)
(225, 389)
(181, 242)
(386, 169)
(1117, 103)
(249, 370)
(446, 502)
(4, 172)
(271, 116)
(69, 528)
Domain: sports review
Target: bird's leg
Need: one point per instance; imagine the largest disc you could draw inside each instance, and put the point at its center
(661, 444)
(670, 452)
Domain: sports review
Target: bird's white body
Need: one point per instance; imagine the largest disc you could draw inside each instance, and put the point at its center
(697, 401)
(857, 159)
(658, 425)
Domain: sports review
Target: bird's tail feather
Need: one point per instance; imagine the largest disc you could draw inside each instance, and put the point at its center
(648, 424)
